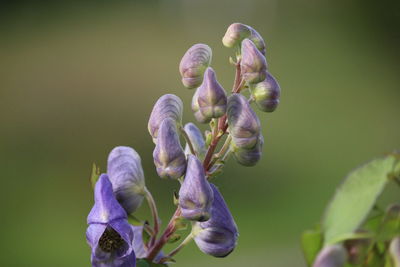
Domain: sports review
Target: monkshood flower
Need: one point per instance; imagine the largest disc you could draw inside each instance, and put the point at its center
(124, 169)
(193, 64)
(248, 156)
(237, 32)
(197, 140)
(167, 106)
(211, 97)
(195, 194)
(196, 109)
(394, 250)
(109, 233)
(253, 64)
(331, 256)
(168, 154)
(244, 125)
(266, 94)
(218, 235)
(138, 246)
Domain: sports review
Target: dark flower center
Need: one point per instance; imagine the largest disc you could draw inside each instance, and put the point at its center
(110, 240)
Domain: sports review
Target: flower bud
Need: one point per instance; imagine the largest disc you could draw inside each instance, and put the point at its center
(244, 125)
(266, 94)
(248, 156)
(218, 235)
(193, 65)
(196, 109)
(258, 41)
(125, 172)
(168, 154)
(167, 106)
(211, 97)
(235, 34)
(394, 250)
(331, 256)
(197, 140)
(195, 194)
(253, 64)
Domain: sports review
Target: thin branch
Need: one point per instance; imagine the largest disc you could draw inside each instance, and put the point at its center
(178, 248)
(154, 213)
(186, 136)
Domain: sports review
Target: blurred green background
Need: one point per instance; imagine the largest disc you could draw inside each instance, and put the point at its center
(78, 78)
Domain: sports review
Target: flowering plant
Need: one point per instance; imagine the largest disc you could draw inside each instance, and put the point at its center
(233, 122)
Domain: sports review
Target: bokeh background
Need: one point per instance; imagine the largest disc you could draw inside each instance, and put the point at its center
(78, 78)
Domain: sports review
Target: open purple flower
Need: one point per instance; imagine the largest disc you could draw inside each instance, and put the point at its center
(109, 233)
(218, 235)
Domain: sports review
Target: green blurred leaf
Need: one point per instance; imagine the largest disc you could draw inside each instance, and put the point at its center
(142, 263)
(355, 198)
(311, 242)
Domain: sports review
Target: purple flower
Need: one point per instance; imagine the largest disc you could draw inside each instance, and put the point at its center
(248, 156)
(266, 94)
(237, 32)
(195, 194)
(196, 109)
(167, 106)
(197, 140)
(168, 154)
(193, 65)
(125, 172)
(138, 246)
(244, 125)
(331, 256)
(218, 235)
(109, 233)
(211, 97)
(253, 64)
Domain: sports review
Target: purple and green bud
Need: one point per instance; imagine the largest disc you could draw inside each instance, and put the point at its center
(197, 140)
(237, 32)
(253, 65)
(109, 234)
(124, 169)
(196, 109)
(211, 97)
(195, 194)
(266, 94)
(193, 64)
(258, 41)
(394, 250)
(168, 154)
(244, 125)
(331, 256)
(248, 156)
(218, 235)
(167, 106)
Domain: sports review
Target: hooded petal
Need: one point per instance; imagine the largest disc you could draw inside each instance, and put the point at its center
(218, 235)
(248, 156)
(168, 154)
(331, 256)
(197, 140)
(193, 65)
(126, 175)
(235, 34)
(196, 109)
(106, 207)
(253, 64)
(167, 106)
(266, 94)
(211, 96)
(195, 194)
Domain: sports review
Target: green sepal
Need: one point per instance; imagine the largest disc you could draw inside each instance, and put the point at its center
(311, 243)
(94, 175)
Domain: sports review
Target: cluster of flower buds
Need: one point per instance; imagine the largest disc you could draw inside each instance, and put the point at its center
(120, 192)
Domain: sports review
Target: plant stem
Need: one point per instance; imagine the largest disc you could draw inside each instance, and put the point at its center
(179, 247)
(154, 213)
(186, 136)
(221, 153)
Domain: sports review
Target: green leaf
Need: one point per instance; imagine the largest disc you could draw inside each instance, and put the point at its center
(142, 263)
(355, 198)
(311, 242)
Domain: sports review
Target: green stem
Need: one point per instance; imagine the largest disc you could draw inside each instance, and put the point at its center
(179, 247)
(154, 213)
(222, 152)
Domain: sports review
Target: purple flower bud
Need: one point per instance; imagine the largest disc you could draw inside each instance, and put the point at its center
(168, 154)
(193, 65)
(235, 34)
(244, 125)
(218, 235)
(331, 256)
(211, 97)
(394, 250)
(125, 172)
(109, 233)
(258, 41)
(196, 109)
(248, 156)
(167, 106)
(138, 246)
(195, 194)
(266, 94)
(197, 140)
(253, 64)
